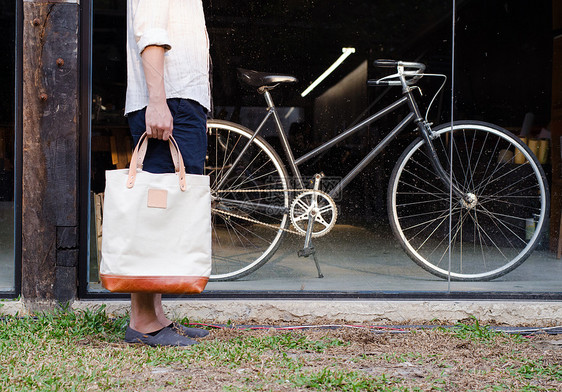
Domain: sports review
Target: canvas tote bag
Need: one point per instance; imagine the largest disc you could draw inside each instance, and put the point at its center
(156, 228)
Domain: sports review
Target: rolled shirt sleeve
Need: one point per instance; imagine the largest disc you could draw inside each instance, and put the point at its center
(150, 24)
(178, 25)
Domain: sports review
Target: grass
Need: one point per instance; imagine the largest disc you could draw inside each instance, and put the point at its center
(340, 380)
(83, 351)
(472, 330)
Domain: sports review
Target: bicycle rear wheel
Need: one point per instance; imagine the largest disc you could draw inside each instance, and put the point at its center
(250, 200)
(491, 234)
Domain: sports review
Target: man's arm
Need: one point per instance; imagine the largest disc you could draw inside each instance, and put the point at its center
(159, 121)
(150, 25)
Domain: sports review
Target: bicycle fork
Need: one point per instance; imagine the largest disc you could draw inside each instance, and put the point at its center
(467, 198)
(425, 132)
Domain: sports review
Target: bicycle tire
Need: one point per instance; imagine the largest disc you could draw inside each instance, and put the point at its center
(490, 236)
(254, 191)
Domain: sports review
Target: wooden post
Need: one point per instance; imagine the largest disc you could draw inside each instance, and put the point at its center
(50, 150)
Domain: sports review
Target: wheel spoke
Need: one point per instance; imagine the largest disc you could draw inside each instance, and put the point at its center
(249, 194)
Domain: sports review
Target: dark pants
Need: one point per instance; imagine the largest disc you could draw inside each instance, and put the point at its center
(190, 132)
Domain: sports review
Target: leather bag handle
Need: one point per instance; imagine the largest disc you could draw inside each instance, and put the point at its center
(142, 152)
(138, 158)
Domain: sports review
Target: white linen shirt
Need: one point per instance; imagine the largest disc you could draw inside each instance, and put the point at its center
(179, 27)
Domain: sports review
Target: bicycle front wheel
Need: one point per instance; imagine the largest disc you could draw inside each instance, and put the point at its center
(490, 231)
(250, 200)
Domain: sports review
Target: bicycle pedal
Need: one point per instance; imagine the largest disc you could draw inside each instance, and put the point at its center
(306, 252)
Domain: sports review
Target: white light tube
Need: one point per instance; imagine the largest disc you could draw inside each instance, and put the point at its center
(345, 54)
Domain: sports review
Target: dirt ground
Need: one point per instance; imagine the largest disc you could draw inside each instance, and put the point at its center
(397, 359)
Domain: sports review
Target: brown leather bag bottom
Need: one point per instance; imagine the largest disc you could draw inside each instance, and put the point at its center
(154, 284)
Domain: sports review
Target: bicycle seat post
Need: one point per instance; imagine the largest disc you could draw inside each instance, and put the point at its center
(282, 136)
(267, 95)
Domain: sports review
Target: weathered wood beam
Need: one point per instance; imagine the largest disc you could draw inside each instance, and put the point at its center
(50, 150)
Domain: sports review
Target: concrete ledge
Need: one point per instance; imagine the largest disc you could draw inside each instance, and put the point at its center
(301, 312)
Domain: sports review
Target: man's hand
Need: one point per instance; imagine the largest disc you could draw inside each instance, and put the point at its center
(159, 121)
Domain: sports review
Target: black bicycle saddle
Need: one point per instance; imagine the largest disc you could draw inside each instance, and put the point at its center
(259, 79)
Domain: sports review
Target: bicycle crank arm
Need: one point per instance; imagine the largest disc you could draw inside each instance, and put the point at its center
(308, 248)
(312, 213)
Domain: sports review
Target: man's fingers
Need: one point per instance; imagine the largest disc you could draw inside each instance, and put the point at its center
(159, 133)
(168, 132)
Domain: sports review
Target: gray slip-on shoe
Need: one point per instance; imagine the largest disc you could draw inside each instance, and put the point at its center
(189, 332)
(166, 337)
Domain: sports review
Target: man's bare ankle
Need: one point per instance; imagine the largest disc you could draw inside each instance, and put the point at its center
(164, 321)
(146, 327)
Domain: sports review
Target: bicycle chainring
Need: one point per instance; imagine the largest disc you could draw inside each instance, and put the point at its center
(318, 205)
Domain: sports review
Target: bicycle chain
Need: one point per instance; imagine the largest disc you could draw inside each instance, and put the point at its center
(261, 190)
(254, 220)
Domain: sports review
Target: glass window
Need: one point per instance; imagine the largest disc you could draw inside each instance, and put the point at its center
(355, 246)
(505, 75)
(7, 68)
(110, 140)
(386, 219)
(302, 39)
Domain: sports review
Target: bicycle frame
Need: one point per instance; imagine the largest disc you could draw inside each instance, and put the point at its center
(414, 115)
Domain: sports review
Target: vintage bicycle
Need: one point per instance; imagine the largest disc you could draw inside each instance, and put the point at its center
(467, 200)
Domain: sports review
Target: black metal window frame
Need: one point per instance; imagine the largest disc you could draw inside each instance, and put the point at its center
(85, 80)
(19, 147)
(18, 152)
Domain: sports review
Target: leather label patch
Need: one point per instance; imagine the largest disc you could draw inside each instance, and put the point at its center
(157, 198)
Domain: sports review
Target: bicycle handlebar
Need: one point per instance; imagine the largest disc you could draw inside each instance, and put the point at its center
(374, 83)
(411, 71)
(384, 63)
